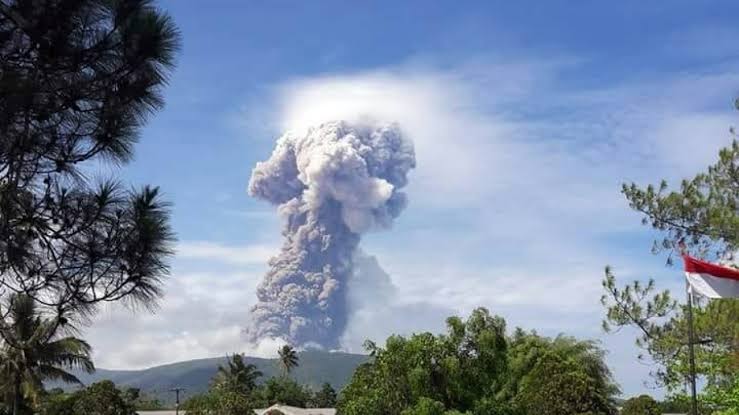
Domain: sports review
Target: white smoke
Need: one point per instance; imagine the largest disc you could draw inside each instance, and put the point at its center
(331, 183)
(378, 310)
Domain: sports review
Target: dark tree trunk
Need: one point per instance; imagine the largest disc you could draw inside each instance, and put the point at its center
(16, 395)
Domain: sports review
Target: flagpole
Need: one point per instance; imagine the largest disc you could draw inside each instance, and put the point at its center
(691, 351)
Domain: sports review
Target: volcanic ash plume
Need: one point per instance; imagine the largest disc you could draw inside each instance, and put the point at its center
(332, 184)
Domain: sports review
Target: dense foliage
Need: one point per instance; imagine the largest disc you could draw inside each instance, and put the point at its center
(476, 369)
(724, 398)
(641, 405)
(219, 401)
(102, 398)
(558, 376)
(284, 391)
(141, 402)
(235, 390)
(675, 404)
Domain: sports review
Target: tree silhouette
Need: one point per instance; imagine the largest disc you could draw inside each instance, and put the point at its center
(288, 358)
(237, 375)
(79, 79)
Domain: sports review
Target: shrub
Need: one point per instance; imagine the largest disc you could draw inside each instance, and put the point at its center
(641, 405)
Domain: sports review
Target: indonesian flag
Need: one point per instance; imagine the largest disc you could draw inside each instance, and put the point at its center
(711, 280)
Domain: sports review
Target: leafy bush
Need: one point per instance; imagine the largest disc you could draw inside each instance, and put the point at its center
(219, 401)
(425, 406)
(641, 405)
(724, 399)
(281, 390)
(101, 398)
(476, 369)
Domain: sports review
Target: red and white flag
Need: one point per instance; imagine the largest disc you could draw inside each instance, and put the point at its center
(711, 280)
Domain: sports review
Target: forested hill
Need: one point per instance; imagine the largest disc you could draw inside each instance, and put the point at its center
(316, 367)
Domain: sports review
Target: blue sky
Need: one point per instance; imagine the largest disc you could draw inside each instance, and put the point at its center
(526, 117)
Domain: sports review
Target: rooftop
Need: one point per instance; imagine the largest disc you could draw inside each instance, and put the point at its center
(291, 410)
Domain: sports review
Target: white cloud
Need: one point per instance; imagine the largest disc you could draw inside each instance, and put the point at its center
(477, 145)
(429, 106)
(689, 140)
(200, 316)
(239, 255)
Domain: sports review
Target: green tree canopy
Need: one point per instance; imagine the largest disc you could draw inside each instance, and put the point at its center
(641, 405)
(282, 390)
(425, 406)
(476, 369)
(557, 376)
(234, 391)
(723, 399)
(219, 401)
(453, 369)
(56, 402)
(198, 404)
(102, 398)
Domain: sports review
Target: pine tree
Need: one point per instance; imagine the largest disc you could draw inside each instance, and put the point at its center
(78, 80)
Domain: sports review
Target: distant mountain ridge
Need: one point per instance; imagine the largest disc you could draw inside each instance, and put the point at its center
(316, 367)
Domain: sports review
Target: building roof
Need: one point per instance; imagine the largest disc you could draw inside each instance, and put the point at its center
(291, 410)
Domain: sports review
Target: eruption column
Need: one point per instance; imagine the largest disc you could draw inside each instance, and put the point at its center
(331, 184)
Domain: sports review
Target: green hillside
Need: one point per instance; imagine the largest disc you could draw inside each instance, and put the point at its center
(316, 367)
